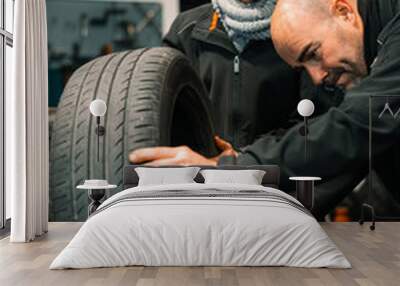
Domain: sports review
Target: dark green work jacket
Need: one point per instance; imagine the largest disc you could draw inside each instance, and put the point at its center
(339, 139)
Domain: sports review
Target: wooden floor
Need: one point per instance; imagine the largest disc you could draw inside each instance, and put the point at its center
(375, 257)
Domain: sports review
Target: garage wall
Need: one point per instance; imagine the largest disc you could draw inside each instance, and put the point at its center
(80, 30)
(171, 8)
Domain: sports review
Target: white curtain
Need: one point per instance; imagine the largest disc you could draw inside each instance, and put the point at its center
(27, 124)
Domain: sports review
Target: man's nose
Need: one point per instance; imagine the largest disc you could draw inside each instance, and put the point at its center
(317, 74)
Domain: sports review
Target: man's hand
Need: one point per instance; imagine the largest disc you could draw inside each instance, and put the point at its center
(182, 155)
(225, 147)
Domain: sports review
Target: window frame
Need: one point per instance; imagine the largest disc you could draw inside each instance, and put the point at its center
(6, 39)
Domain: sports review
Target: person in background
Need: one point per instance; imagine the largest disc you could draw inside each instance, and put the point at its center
(253, 92)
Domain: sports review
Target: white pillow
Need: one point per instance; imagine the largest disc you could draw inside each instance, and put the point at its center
(247, 177)
(163, 176)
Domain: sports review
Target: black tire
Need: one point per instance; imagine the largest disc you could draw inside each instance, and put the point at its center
(154, 98)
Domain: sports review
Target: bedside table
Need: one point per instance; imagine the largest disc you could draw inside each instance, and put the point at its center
(96, 191)
(305, 190)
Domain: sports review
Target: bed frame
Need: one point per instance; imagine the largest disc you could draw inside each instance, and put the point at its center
(271, 177)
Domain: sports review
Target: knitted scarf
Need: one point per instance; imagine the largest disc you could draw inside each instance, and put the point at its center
(245, 22)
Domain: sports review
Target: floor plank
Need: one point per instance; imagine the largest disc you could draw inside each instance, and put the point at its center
(375, 257)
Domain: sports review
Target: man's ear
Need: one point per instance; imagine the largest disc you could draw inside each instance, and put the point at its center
(345, 10)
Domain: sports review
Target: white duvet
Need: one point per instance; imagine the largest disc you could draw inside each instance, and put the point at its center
(203, 231)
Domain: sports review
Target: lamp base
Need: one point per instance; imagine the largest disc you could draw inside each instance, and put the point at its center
(95, 195)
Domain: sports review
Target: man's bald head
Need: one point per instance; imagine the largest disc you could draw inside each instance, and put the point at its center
(290, 8)
(289, 14)
(323, 36)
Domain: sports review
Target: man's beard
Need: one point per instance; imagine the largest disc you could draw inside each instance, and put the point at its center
(354, 82)
(352, 71)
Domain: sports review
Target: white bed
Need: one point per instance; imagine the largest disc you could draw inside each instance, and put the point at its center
(239, 229)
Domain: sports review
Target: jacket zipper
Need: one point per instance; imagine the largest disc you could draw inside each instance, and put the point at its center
(236, 65)
(235, 97)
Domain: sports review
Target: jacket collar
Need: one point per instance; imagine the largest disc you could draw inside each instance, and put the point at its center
(388, 30)
(217, 37)
(378, 17)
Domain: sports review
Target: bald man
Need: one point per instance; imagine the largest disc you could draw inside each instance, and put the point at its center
(354, 45)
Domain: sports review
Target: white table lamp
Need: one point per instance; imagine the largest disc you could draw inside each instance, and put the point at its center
(305, 108)
(98, 108)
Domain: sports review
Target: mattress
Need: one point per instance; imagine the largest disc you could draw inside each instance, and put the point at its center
(201, 225)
